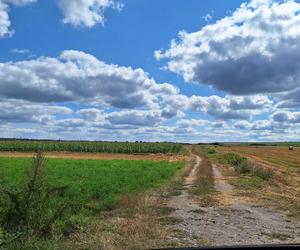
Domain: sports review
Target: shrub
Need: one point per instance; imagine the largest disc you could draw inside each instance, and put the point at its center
(234, 159)
(33, 209)
(263, 173)
(211, 151)
(243, 166)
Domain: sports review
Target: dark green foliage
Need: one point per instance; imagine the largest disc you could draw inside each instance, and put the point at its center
(91, 147)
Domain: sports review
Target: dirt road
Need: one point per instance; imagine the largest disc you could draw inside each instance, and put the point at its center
(234, 222)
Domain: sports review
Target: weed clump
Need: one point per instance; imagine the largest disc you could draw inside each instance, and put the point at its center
(243, 166)
(32, 209)
(234, 159)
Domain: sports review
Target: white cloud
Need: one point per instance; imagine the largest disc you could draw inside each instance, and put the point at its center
(242, 124)
(286, 116)
(23, 111)
(86, 13)
(92, 114)
(135, 117)
(5, 23)
(77, 76)
(184, 123)
(207, 17)
(113, 102)
(228, 107)
(253, 50)
(19, 2)
(20, 51)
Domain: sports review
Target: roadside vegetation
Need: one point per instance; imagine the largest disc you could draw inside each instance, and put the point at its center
(204, 183)
(49, 202)
(90, 146)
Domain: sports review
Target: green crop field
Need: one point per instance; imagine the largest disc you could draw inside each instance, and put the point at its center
(100, 181)
(62, 193)
(91, 147)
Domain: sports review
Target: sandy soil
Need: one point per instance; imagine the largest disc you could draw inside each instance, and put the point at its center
(100, 156)
(234, 222)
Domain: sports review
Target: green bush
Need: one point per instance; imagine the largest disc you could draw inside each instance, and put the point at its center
(234, 159)
(243, 166)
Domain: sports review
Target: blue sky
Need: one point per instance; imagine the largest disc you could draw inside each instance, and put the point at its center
(209, 93)
(129, 38)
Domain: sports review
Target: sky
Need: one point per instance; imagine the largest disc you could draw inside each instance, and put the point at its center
(172, 70)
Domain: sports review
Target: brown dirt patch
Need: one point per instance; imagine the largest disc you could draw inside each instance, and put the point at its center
(100, 156)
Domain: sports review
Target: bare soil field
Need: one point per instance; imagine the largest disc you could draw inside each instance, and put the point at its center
(100, 156)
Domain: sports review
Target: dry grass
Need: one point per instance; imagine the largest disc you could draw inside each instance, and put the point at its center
(268, 156)
(101, 156)
(204, 183)
(136, 226)
(283, 190)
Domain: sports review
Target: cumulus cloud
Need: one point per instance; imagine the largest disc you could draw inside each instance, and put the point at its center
(92, 114)
(19, 2)
(77, 76)
(289, 99)
(22, 111)
(116, 102)
(5, 23)
(286, 116)
(86, 13)
(184, 123)
(79, 13)
(253, 50)
(228, 107)
(135, 117)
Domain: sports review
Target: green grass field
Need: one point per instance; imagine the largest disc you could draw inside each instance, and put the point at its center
(90, 187)
(98, 181)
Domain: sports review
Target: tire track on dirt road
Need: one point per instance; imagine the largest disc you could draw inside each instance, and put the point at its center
(236, 223)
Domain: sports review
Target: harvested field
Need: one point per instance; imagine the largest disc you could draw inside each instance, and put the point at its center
(271, 156)
(100, 156)
(283, 190)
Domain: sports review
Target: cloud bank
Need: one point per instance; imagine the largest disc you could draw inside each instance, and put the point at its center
(254, 50)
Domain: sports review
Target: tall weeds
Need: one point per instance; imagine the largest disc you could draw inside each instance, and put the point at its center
(243, 166)
(34, 208)
(204, 183)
